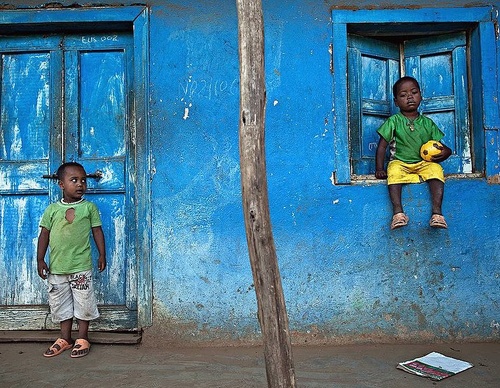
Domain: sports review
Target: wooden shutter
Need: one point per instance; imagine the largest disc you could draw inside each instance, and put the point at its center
(373, 67)
(440, 65)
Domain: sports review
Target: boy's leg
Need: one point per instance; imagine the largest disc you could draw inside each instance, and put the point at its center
(83, 329)
(61, 309)
(437, 192)
(66, 330)
(399, 219)
(85, 310)
(395, 196)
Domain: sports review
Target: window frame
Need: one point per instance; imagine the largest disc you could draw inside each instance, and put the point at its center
(485, 120)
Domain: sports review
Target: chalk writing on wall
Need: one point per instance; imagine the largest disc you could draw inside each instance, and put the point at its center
(210, 88)
(372, 146)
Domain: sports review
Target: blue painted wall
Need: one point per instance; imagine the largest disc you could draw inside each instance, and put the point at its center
(346, 276)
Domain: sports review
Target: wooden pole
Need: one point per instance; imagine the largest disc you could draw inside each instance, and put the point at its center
(270, 300)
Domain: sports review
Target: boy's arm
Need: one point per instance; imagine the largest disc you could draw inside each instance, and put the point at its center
(41, 250)
(380, 172)
(101, 247)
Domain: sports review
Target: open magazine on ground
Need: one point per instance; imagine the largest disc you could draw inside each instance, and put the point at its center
(435, 366)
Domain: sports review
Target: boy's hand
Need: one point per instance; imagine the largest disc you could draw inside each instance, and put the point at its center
(101, 247)
(43, 269)
(380, 172)
(101, 264)
(445, 154)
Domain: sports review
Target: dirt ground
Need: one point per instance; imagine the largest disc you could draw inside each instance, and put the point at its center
(22, 365)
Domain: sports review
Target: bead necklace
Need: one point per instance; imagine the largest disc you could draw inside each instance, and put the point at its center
(71, 203)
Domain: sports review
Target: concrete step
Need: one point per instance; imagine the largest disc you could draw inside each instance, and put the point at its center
(98, 337)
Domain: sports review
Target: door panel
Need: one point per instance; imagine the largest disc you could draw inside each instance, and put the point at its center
(103, 110)
(25, 88)
(26, 103)
(67, 100)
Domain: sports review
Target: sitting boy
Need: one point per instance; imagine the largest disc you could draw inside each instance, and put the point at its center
(405, 132)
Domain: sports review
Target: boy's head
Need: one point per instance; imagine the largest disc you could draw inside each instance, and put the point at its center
(72, 181)
(407, 95)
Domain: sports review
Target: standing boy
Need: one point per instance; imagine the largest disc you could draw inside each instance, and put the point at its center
(405, 132)
(66, 227)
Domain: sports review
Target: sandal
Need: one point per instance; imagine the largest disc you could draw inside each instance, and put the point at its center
(81, 348)
(399, 220)
(438, 221)
(57, 348)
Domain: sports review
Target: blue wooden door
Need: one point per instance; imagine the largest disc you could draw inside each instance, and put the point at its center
(65, 98)
(439, 63)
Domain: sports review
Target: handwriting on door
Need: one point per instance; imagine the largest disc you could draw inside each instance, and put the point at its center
(103, 38)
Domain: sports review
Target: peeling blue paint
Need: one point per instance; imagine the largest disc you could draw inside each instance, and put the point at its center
(345, 274)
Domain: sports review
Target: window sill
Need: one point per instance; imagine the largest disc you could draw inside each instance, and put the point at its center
(370, 178)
